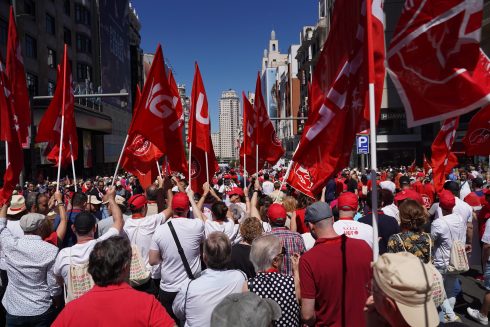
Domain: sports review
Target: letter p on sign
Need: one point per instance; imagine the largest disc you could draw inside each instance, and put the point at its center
(362, 144)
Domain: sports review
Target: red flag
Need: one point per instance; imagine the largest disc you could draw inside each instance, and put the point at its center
(249, 137)
(427, 165)
(17, 77)
(10, 136)
(299, 179)
(434, 60)
(270, 147)
(477, 138)
(155, 105)
(443, 160)
(148, 178)
(174, 136)
(200, 136)
(339, 90)
(140, 155)
(411, 168)
(49, 129)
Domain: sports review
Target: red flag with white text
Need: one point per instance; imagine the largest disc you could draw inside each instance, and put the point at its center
(10, 136)
(49, 128)
(340, 90)
(435, 60)
(443, 160)
(299, 179)
(477, 138)
(17, 78)
(200, 135)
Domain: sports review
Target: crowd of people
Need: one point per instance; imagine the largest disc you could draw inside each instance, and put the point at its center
(244, 251)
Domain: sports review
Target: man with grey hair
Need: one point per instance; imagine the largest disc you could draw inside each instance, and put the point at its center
(267, 257)
(197, 298)
(326, 297)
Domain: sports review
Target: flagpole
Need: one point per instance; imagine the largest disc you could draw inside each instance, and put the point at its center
(372, 127)
(244, 167)
(6, 154)
(63, 103)
(119, 160)
(190, 162)
(158, 168)
(207, 166)
(166, 166)
(73, 167)
(257, 159)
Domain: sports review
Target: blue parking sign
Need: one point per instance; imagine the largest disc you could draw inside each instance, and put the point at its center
(362, 144)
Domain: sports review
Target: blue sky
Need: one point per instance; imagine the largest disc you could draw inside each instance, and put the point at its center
(226, 38)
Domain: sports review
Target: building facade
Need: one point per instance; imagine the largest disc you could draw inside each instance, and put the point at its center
(105, 56)
(229, 125)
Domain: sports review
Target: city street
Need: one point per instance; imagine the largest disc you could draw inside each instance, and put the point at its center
(472, 296)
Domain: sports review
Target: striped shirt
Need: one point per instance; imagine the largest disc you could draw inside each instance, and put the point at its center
(293, 242)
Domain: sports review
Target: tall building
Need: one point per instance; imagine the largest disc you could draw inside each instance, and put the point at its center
(229, 125)
(216, 144)
(43, 28)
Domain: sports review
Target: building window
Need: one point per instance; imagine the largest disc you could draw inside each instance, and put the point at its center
(32, 84)
(50, 25)
(67, 7)
(31, 47)
(3, 32)
(30, 8)
(82, 14)
(84, 71)
(67, 36)
(83, 43)
(51, 87)
(51, 58)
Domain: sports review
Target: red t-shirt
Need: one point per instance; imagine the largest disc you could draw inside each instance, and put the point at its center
(418, 187)
(301, 226)
(114, 305)
(321, 273)
(52, 239)
(430, 190)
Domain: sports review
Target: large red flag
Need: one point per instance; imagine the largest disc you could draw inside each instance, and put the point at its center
(477, 138)
(156, 105)
(200, 136)
(299, 178)
(174, 136)
(249, 137)
(443, 160)
(434, 60)
(339, 90)
(140, 155)
(49, 128)
(17, 77)
(11, 138)
(270, 147)
(427, 165)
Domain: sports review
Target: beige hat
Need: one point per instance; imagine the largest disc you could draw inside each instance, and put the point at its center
(120, 200)
(92, 199)
(407, 280)
(17, 205)
(31, 222)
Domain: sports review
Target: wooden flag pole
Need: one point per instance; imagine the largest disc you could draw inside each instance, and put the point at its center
(119, 160)
(207, 166)
(73, 167)
(190, 162)
(257, 159)
(63, 103)
(6, 154)
(244, 168)
(158, 168)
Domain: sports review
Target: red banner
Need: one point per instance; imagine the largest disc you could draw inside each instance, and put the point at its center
(477, 138)
(443, 160)
(299, 178)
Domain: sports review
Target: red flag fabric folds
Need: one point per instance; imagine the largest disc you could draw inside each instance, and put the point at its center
(339, 90)
(49, 129)
(247, 147)
(17, 77)
(299, 179)
(435, 60)
(200, 136)
(477, 138)
(174, 131)
(443, 160)
(11, 137)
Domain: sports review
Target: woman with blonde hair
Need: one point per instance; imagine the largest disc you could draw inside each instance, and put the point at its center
(412, 238)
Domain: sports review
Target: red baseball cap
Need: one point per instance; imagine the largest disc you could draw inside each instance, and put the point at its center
(473, 200)
(180, 201)
(446, 200)
(409, 194)
(137, 201)
(277, 213)
(236, 191)
(348, 200)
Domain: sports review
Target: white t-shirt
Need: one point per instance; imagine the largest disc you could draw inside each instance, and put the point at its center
(267, 187)
(462, 208)
(140, 232)
(227, 227)
(444, 231)
(78, 254)
(392, 211)
(354, 229)
(190, 233)
(309, 240)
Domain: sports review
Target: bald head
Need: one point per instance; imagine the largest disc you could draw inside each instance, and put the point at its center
(151, 193)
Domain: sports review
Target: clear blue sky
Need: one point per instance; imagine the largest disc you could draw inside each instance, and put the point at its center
(226, 38)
